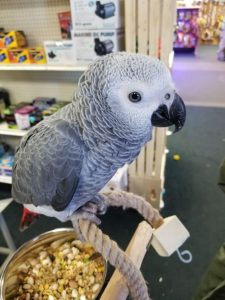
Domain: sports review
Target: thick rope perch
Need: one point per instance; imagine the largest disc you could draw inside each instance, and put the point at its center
(109, 248)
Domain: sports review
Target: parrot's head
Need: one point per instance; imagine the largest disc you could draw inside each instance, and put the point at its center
(132, 93)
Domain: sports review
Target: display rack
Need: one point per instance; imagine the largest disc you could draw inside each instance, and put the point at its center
(186, 33)
(4, 130)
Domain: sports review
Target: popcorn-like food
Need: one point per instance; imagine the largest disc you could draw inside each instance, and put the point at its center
(64, 270)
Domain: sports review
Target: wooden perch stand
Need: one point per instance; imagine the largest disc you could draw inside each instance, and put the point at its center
(166, 239)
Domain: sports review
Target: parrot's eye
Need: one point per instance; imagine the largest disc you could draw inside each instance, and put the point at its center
(134, 97)
(167, 96)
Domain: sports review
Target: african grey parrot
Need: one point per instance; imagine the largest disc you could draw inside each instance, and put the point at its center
(64, 161)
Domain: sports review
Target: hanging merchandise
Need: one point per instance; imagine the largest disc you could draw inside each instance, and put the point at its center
(211, 17)
(4, 102)
(65, 24)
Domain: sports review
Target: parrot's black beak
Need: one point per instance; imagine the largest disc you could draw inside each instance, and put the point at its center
(175, 116)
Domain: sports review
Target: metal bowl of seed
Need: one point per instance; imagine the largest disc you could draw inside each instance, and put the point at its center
(55, 265)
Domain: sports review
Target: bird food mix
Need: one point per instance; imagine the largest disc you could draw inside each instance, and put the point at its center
(63, 270)
(107, 14)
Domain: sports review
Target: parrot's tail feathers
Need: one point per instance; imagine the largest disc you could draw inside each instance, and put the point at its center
(28, 218)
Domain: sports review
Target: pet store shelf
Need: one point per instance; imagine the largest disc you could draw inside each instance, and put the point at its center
(24, 67)
(6, 179)
(4, 130)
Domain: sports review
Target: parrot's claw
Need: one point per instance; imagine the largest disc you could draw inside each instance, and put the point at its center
(98, 205)
(83, 214)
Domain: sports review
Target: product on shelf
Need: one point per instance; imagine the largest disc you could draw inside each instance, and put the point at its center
(91, 44)
(6, 160)
(4, 102)
(43, 103)
(25, 115)
(3, 148)
(37, 55)
(106, 10)
(60, 52)
(4, 56)
(22, 116)
(105, 14)
(65, 24)
(19, 56)
(15, 39)
(186, 33)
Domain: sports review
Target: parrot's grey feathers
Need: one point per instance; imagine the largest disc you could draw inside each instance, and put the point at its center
(65, 191)
(50, 161)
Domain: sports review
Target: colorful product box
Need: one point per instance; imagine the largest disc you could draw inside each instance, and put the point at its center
(19, 56)
(65, 24)
(15, 39)
(4, 56)
(92, 44)
(60, 52)
(37, 55)
(6, 163)
(104, 14)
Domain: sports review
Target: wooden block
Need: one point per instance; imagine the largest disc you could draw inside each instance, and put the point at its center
(116, 288)
(169, 236)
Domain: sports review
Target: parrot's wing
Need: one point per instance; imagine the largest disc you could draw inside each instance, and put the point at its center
(47, 165)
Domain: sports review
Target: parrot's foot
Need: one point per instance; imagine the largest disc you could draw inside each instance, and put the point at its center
(97, 206)
(83, 214)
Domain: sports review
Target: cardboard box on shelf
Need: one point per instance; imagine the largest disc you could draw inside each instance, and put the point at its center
(107, 14)
(37, 55)
(4, 56)
(60, 52)
(19, 56)
(91, 44)
(15, 39)
(65, 24)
